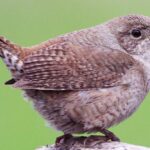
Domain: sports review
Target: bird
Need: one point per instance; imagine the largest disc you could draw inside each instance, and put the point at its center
(85, 81)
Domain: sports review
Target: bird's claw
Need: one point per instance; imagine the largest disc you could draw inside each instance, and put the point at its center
(63, 138)
(110, 136)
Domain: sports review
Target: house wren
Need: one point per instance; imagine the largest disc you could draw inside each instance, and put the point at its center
(87, 80)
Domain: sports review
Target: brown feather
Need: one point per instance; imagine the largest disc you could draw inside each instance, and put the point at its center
(65, 66)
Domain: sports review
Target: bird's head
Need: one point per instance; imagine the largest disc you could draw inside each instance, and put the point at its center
(132, 33)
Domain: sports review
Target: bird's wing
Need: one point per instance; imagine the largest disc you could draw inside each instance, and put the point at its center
(67, 67)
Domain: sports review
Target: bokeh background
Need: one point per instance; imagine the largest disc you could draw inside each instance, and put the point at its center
(28, 22)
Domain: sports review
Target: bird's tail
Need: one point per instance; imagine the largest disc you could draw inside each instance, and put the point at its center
(11, 55)
(7, 45)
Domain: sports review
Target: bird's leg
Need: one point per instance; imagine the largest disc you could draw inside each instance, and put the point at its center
(109, 135)
(63, 138)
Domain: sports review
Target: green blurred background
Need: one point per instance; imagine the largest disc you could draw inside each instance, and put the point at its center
(28, 22)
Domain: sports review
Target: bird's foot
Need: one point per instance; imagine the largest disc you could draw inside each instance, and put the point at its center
(110, 136)
(63, 138)
(94, 139)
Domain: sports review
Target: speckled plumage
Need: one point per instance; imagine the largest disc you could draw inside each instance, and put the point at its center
(88, 79)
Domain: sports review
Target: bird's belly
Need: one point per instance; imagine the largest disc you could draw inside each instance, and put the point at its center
(106, 107)
(80, 111)
(51, 105)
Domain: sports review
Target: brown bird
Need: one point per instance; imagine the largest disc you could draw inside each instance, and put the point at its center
(87, 80)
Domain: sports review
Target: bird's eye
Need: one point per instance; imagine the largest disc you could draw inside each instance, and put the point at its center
(136, 33)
